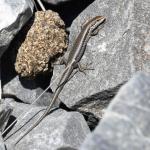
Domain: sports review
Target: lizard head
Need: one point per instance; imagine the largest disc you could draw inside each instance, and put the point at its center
(94, 23)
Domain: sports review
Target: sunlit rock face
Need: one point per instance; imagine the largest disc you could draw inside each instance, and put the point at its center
(13, 15)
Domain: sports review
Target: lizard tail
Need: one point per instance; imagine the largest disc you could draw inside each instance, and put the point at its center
(43, 116)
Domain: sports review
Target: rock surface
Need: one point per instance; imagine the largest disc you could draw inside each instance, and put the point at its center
(120, 49)
(13, 15)
(126, 122)
(96, 103)
(2, 145)
(5, 112)
(27, 91)
(55, 2)
(58, 129)
(66, 148)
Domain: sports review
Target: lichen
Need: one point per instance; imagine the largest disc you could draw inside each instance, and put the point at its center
(45, 40)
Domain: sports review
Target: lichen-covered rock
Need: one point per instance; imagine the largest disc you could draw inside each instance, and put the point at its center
(2, 145)
(45, 40)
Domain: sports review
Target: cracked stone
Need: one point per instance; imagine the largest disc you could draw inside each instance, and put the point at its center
(126, 121)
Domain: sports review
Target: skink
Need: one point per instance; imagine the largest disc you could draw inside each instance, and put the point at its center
(89, 29)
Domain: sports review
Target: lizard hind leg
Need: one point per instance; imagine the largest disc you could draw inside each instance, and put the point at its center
(96, 30)
(63, 83)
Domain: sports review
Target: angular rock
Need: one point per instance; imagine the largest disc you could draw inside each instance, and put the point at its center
(126, 121)
(120, 49)
(27, 91)
(58, 129)
(2, 145)
(55, 2)
(5, 112)
(13, 15)
(45, 40)
(96, 103)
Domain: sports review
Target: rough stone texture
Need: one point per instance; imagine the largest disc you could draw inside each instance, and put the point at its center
(126, 122)
(58, 129)
(45, 39)
(27, 91)
(21, 88)
(2, 145)
(66, 148)
(5, 112)
(120, 49)
(13, 15)
(96, 103)
(55, 2)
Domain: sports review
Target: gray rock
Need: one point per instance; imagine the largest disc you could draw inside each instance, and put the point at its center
(24, 89)
(2, 145)
(13, 15)
(55, 2)
(126, 122)
(58, 129)
(96, 103)
(27, 91)
(120, 49)
(5, 112)
(66, 148)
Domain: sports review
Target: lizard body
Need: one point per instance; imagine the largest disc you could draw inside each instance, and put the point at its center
(89, 28)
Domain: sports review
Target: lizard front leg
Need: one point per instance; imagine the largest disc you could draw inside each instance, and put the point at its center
(82, 68)
(61, 61)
